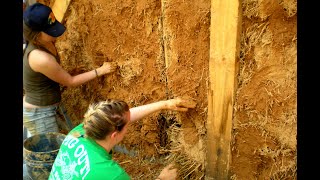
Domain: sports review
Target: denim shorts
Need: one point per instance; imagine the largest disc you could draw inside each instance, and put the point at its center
(41, 120)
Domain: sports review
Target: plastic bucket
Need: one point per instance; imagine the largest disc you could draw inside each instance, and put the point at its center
(40, 152)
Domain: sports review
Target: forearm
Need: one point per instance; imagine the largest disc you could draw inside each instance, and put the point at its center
(83, 78)
(140, 112)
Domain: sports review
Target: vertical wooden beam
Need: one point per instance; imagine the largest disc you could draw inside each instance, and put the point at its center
(223, 69)
(165, 40)
(30, 2)
(59, 9)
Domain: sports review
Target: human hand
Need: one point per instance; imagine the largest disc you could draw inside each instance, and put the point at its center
(108, 67)
(168, 173)
(180, 104)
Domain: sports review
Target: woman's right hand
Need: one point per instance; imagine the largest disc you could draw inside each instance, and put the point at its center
(180, 103)
(108, 67)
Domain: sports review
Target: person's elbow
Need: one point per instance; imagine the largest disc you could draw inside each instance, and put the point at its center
(70, 82)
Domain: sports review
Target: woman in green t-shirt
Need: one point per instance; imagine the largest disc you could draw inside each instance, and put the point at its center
(85, 152)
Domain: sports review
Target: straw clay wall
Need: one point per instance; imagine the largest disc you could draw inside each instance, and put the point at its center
(162, 49)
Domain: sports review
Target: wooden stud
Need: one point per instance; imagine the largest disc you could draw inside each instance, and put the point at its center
(59, 9)
(223, 68)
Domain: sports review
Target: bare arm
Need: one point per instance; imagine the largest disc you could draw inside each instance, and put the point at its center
(176, 104)
(46, 64)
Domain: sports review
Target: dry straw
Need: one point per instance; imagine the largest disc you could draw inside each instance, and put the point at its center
(188, 168)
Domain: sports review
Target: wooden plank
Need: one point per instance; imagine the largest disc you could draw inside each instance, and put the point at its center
(165, 42)
(29, 2)
(223, 67)
(59, 8)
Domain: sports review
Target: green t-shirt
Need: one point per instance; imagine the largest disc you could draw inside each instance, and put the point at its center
(83, 158)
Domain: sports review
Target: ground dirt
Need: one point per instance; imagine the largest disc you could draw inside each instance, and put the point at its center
(162, 49)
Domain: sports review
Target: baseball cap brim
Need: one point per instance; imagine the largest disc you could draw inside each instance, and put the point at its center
(56, 29)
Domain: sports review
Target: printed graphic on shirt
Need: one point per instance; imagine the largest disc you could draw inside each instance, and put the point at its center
(75, 157)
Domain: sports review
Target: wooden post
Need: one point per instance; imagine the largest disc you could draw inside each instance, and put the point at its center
(59, 9)
(223, 68)
(29, 2)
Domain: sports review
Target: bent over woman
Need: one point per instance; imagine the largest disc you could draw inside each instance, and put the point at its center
(85, 153)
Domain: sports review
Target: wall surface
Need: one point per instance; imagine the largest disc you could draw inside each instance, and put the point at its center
(162, 49)
(265, 119)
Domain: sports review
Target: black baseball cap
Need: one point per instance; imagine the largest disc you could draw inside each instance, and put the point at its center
(40, 17)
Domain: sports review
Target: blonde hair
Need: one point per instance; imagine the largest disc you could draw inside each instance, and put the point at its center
(104, 117)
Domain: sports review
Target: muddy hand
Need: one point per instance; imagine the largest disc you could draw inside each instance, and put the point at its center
(108, 67)
(168, 173)
(181, 103)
